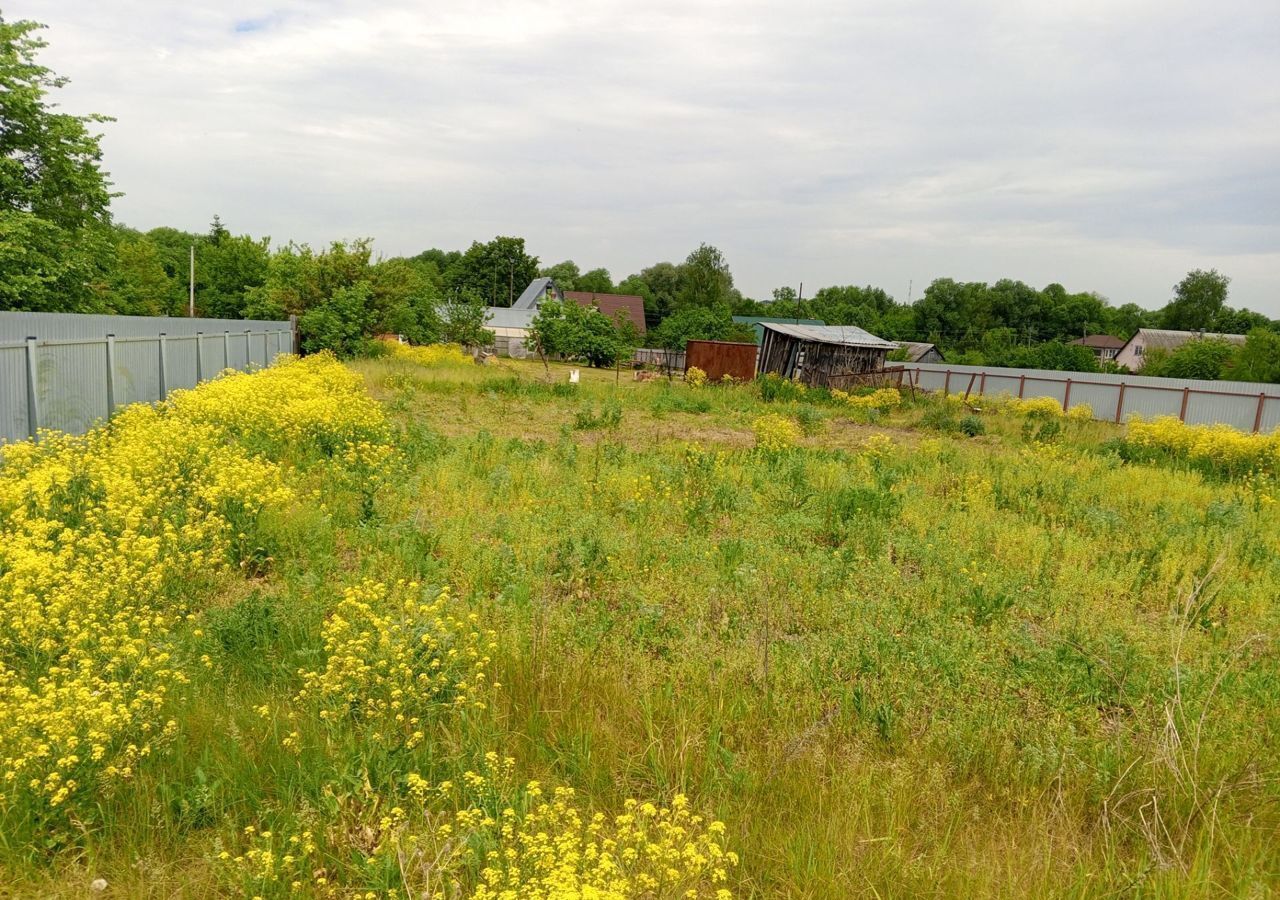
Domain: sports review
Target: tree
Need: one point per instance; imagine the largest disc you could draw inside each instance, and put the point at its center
(597, 281)
(55, 243)
(1202, 359)
(1198, 300)
(564, 274)
(662, 283)
(692, 324)
(575, 332)
(706, 280)
(227, 268)
(497, 271)
(462, 317)
(341, 323)
(404, 299)
(137, 284)
(1258, 359)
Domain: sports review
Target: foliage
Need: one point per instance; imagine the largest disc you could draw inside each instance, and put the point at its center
(497, 271)
(434, 355)
(1216, 448)
(971, 426)
(705, 281)
(1198, 300)
(1257, 360)
(774, 388)
(1203, 359)
(881, 398)
(775, 433)
(55, 245)
(462, 318)
(570, 331)
(695, 377)
(692, 324)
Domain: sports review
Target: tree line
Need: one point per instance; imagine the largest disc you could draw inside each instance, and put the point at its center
(61, 250)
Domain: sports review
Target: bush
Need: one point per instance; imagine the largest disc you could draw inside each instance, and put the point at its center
(972, 426)
(774, 388)
(1081, 412)
(775, 433)
(695, 377)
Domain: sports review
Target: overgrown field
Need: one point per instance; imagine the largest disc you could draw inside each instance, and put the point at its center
(436, 629)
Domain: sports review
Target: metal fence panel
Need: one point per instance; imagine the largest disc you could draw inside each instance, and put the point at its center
(13, 394)
(1233, 403)
(80, 367)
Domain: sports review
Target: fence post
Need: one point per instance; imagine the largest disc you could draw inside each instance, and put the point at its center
(296, 347)
(248, 350)
(1120, 403)
(946, 385)
(982, 385)
(1066, 397)
(111, 375)
(199, 356)
(164, 368)
(1186, 395)
(1022, 385)
(1257, 417)
(33, 409)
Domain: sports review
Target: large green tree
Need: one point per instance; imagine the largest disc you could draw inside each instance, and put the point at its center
(1197, 301)
(56, 246)
(706, 280)
(498, 270)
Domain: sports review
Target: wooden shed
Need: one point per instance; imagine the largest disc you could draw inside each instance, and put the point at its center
(821, 355)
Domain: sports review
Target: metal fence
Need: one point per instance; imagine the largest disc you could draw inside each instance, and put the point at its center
(66, 372)
(1244, 405)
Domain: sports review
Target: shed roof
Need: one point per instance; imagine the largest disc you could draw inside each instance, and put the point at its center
(1171, 340)
(630, 305)
(848, 335)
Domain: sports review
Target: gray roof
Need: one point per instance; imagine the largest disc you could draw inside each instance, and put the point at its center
(1171, 340)
(503, 317)
(533, 293)
(916, 350)
(849, 335)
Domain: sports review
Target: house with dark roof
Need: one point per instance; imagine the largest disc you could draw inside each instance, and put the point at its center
(510, 325)
(616, 307)
(1104, 346)
(1133, 355)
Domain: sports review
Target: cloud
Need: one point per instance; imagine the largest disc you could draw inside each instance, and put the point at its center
(1109, 147)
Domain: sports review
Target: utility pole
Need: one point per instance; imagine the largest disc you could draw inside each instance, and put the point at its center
(799, 300)
(191, 301)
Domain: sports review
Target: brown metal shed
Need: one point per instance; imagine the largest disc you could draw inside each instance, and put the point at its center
(721, 358)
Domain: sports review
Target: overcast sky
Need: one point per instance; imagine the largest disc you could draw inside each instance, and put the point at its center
(1110, 145)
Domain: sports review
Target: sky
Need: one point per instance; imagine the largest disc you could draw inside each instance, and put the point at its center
(1107, 145)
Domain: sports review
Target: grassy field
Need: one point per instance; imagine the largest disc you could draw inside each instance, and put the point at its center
(452, 630)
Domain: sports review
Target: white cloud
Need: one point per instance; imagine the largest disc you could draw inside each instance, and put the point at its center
(1107, 146)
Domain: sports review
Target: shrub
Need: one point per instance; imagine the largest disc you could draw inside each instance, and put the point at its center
(695, 377)
(810, 418)
(775, 433)
(433, 355)
(610, 416)
(774, 388)
(972, 426)
(881, 399)
(1037, 407)
(1081, 412)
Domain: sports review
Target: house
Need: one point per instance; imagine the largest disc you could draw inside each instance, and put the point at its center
(1134, 352)
(1104, 346)
(757, 323)
(821, 355)
(538, 290)
(624, 307)
(510, 325)
(920, 352)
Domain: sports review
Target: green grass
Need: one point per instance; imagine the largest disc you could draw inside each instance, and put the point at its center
(994, 661)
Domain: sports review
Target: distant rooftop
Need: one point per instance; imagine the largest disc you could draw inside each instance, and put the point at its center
(1100, 342)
